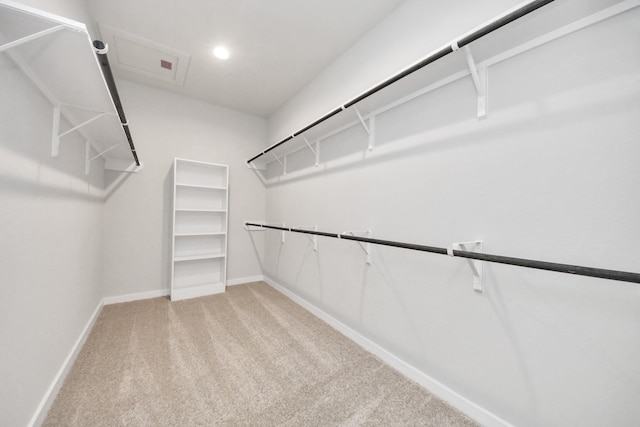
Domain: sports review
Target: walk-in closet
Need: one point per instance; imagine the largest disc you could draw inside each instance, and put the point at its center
(392, 212)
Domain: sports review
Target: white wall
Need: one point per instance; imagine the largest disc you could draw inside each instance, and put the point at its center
(138, 213)
(50, 246)
(67, 243)
(551, 174)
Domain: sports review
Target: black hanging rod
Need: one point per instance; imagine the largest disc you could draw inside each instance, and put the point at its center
(622, 276)
(516, 14)
(101, 53)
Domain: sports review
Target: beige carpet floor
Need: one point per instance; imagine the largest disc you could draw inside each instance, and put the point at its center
(249, 356)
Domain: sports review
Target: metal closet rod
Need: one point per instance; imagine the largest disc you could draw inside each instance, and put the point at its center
(622, 276)
(101, 53)
(516, 14)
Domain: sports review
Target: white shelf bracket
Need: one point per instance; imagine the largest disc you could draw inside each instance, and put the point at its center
(283, 234)
(314, 238)
(284, 165)
(254, 228)
(362, 122)
(479, 77)
(89, 159)
(372, 132)
(315, 151)
(255, 168)
(366, 247)
(86, 122)
(56, 135)
(370, 129)
(476, 265)
(306, 141)
(31, 37)
(121, 165)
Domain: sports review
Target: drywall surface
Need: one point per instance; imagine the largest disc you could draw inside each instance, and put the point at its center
(551, 174)
(137, 254)
(51, 246)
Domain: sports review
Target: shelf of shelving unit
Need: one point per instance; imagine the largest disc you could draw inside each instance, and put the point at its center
(196, 257)
(209, 187)
(57, 55)
(199, 237)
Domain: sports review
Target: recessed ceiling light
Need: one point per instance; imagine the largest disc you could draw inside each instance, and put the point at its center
(221, 52)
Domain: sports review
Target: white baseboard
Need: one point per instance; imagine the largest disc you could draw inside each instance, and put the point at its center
(459, 402)
(243, 280)
(51, 393)
(440, 390)
(58, 380)
(135, 297)
(197, 291)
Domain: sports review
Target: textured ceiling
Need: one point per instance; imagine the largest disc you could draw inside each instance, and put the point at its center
(277, 46)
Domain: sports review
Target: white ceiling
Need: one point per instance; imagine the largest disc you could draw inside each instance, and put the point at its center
(277, 46)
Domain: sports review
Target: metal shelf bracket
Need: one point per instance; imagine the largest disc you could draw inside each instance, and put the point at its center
(370, 129)
(56, 135)
(251, 166)
(89, 159)
(362, 122)
(372, 132)
(255, 226)
(476, 265)
(316, 151)
(31, 37)
(479, 77)
(284, 165)
(366, 247)
(314, 238)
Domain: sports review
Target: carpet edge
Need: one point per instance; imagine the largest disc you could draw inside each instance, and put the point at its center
(461, 403)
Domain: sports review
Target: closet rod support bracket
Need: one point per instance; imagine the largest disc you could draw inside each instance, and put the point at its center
(316, 151)
(55, 133)
(253, 227)
(476, 265)
(479, 77)
(251, 166)
(362, 122)
(372, 132)
(313, 238)
(366, 247)
(370, 129)
(31, 37)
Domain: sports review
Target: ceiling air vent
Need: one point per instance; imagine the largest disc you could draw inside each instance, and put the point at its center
(144, 57)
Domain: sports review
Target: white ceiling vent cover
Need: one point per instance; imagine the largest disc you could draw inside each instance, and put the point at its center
(137, 55)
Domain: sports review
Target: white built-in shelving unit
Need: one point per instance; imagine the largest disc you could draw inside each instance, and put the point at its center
(199, 240)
